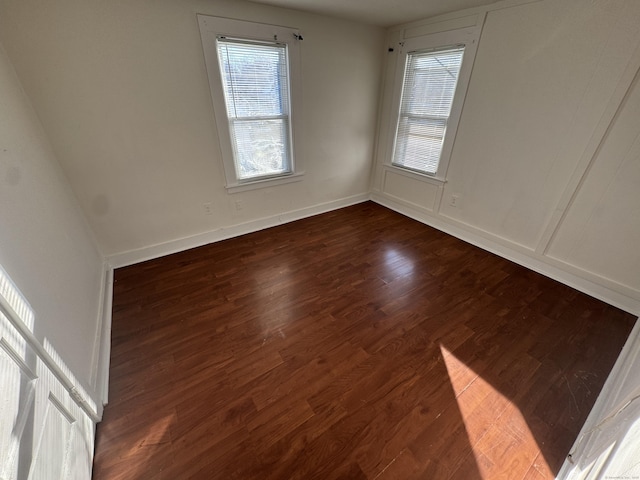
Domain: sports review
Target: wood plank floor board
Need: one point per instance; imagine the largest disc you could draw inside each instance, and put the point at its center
(357, 344)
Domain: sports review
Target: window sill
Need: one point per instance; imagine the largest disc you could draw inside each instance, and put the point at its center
(415, 175)
(264, 183)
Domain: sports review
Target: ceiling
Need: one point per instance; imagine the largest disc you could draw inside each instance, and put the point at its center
(384, 13)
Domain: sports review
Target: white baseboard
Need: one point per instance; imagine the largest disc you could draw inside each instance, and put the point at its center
(535, 263)
(102, 343)
(155, 251)
(95, 354)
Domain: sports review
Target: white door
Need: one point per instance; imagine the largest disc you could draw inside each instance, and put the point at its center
(45, 433)
(609, 444)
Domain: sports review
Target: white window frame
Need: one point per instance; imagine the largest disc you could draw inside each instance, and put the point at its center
(210, 29)
(467, 37)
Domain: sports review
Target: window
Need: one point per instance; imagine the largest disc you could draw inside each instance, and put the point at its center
(256, 93)
(429, 85)
(431, 78)
(252, 72)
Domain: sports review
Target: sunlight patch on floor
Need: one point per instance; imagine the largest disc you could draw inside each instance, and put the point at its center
(501, 440)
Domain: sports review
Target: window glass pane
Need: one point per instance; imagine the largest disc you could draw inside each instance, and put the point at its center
(429, 85)
(420, 143)
(254, 79)
(256, 91)
(431, 82)
(261, 149)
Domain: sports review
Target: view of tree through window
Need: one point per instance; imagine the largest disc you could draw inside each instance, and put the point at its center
(256, 90)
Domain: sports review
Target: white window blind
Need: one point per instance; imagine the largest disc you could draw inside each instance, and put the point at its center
(255, 79)
(429, 86)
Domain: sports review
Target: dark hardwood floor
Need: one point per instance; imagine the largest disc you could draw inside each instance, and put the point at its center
(358, 344)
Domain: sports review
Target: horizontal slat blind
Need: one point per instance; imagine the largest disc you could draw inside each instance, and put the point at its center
(429, 86)
(256, 90)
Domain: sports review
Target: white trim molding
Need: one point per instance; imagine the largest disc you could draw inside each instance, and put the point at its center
(212, 31)
(102, 342)
(543, 249)
(155, 251)
(525, 257)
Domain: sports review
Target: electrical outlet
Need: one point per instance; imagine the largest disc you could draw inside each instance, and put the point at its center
(238, 204)
(453, 200)
(208, 210)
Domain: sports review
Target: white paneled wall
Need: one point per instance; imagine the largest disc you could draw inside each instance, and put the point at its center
(44, 432)
(546, 155)
(601, 229)
(46, 417)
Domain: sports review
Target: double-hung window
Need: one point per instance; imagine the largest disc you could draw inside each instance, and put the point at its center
(429, 86)
(252, 74)
(431, 78)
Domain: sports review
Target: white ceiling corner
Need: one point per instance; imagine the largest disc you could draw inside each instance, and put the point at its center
(384, 13)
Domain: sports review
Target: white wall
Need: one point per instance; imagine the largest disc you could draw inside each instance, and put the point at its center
(122, 91)
(538, 176)
(601, 231)
(45, 245)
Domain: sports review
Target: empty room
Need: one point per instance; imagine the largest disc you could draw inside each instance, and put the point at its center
(318, 239)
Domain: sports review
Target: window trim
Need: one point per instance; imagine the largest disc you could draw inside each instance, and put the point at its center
(210, 29)
(467, 37)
